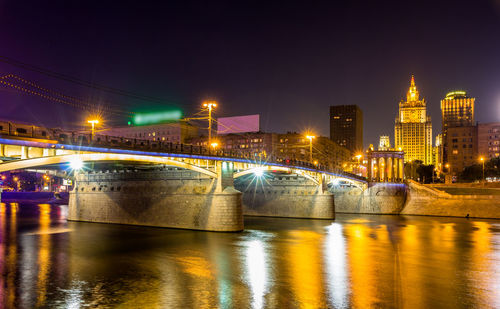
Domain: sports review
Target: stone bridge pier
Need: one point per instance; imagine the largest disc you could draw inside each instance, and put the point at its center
(165, 197)
(285, 195)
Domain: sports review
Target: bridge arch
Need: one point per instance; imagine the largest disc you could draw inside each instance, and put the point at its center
(275, 168)
(93, 157)
(357, 184)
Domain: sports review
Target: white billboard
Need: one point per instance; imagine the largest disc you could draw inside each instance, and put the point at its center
(238, 124)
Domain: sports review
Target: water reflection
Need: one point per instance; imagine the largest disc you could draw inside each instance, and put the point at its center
(256, 272)
(335, 255)
(43, 253)
(354, 261)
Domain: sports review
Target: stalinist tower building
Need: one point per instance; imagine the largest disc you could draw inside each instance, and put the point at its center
(413, 128)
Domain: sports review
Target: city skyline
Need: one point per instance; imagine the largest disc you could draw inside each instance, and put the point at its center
(266, 67)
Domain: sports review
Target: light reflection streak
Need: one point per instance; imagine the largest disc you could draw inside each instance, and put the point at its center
(2, 252)
(255, 260)
(305, 259)
(43, 254)
(201, 271)
(482, 263)
(336, 266)
(361, 266)
(12, 257)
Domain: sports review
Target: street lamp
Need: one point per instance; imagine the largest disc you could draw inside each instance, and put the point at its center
(214, 145)
(18, 184)
(210, 105)
(482, 161)
(310, 138)
(93, 122)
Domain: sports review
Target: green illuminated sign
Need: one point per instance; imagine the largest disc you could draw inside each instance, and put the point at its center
(157, 117)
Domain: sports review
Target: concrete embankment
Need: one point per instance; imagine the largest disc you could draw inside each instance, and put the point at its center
(379, 198)
(427, 201)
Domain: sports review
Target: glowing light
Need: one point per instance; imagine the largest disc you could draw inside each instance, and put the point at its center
(214, 145)
(93, 121)
(210, 104)
(310, 137)
(258, 172)
(76, 164)
(158, 117)
(257, 273)
(481, 159)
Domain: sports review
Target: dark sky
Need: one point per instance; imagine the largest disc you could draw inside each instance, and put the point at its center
(288, 61)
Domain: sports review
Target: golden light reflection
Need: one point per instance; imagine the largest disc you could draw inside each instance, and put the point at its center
(43, 253)
(202, 273)
(305, 260)
(482, 263)
(361, 262)
(196, 266)
(412, 280)
(2, 253)
(12, 257)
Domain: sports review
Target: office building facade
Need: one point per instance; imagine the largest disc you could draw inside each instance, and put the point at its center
(489, 140)
(457, 110)
(346, 127)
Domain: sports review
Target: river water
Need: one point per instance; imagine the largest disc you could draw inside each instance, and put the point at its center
(358, 261)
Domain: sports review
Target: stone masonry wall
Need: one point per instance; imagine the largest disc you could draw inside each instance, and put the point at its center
(381, 198)
(177, 199)
(285, 196)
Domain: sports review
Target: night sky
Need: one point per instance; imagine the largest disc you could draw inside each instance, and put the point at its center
(288, 61)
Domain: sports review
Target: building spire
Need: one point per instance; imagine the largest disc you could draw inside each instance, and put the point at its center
(412, 94)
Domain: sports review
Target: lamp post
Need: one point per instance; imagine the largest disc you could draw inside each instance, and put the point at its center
(210, 105)
(93, 122)
(482, 161)
(359, 156)
(310, 138)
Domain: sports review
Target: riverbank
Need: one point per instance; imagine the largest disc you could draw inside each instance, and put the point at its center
(429, 201)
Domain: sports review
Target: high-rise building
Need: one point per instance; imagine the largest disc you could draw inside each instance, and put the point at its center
(346, 126)
(413, 128)
(457, 110)
(489, 140)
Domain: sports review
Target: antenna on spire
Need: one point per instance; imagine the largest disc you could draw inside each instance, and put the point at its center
(412, 83)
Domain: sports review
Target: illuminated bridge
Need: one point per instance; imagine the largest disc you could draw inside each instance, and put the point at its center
(183, 186)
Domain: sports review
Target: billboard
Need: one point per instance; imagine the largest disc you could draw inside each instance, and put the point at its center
(238, 124)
